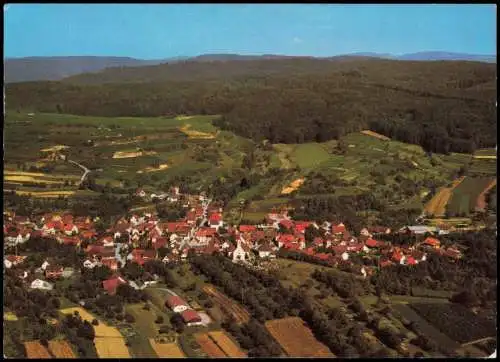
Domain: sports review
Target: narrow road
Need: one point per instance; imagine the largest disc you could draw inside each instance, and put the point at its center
(86, 171)
(166, 290)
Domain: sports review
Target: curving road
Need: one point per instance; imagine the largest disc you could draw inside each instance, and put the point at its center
(86, 171)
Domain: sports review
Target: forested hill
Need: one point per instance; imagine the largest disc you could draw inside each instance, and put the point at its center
(444, 106)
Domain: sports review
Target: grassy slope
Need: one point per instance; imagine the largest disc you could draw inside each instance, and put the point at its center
(26, 135)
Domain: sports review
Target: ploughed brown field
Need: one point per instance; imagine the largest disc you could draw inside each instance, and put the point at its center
(437, 205)
(61, 349)
(296, 338)
(227, 305)
(35, 350)
(226, 344)
(208, 346)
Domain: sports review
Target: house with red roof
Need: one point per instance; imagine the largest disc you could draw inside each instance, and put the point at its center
(54, 271)
(287, 224)
(191, 217)
(371, 243)
(191, 317)
(283, 239)
(88, 234)
(247, 228)
(411, 261)
(177, 304)
(216, 221)
(204, 235)
(111, 284)
(339, 229)
(432, 242)
(398, 256)
(110, 262)
(70, 240)
(13, 260)
(384, 262)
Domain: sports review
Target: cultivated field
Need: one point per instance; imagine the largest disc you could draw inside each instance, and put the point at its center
(294, 185)
(111, 347)
(239, 313)
(226, 344)
(101, 330)
(296, 338)
(195, 134)
(61, 349)
(376, 135)
(35, 350)
(481, 199)
(166, 350)
(9, 316)
(465, 195)
(430, 331)
(208, 346)
(456, 321)
(437, 205)
(43, 194)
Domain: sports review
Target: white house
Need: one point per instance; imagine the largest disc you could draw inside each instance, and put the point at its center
(88, 264)
(45, 265)
(345, 255)
(41, 284)
(241, 253)
(7, 263)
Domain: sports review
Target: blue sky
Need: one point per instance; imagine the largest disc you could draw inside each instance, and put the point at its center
(166, 30)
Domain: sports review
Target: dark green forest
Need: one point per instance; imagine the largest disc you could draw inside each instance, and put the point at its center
(444, 106)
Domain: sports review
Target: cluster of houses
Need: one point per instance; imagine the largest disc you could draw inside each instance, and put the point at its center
(140, 238)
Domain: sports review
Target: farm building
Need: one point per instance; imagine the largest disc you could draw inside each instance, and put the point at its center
(191, 317)
(112, 284)
(177, 304)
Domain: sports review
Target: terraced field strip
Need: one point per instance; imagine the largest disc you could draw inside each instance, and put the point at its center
(226, 344)
(167, 350)
(376, 135)
(296, 338)
(208, 346)
(239, 313)
(35, 350)
(111, 347)
(481, 200)
(437, 205)
(61, 349)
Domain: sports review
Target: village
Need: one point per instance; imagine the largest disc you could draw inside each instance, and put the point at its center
(203, 231)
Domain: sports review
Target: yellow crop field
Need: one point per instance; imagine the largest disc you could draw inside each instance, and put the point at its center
(9, 316)
(19, 173)
(375, 134)
(491, 157)
(122, 154)
(296, 338)
(29, 179)
(437, 205)
(61, 349)
(43, 193)
(55, 148)
(35, 350)
(166, 350)
(226, 344)
(294, 185)
(163, 166)
(183, 118)
(101, 330)
(111, 347)
(196, 134)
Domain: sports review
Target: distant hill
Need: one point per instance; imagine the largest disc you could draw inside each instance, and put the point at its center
(57, 68)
